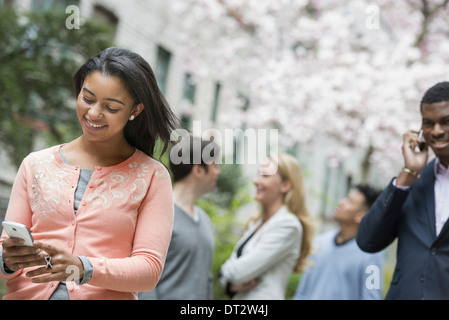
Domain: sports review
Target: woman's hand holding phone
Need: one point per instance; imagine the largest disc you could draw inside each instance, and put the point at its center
(21, 251)
(17, 256)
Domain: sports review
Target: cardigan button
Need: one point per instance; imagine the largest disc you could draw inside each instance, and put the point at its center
(433, 251)
(84, 202)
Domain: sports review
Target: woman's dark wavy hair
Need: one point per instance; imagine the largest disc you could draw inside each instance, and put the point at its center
(157, 120)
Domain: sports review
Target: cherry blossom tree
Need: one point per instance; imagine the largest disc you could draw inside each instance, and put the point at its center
(354, 71)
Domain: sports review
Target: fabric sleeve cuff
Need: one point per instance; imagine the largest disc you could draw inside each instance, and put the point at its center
(88, 269)
(400, 187)
(2, 265)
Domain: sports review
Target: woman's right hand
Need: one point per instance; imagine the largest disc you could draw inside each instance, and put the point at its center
(16, 256)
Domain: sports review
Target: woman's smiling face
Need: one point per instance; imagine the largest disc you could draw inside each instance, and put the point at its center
(103, 107)
(269, 184)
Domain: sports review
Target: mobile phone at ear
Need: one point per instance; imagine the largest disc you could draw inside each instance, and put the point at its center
(18, 230)
(422, 141)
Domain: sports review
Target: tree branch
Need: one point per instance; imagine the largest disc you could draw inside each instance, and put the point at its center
(238, 17)
(427, 13)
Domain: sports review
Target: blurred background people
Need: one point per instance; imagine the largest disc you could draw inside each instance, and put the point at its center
(277, 241)
(187, 272)
(338, 267)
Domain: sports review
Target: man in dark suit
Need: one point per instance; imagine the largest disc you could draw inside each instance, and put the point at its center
(415, 206)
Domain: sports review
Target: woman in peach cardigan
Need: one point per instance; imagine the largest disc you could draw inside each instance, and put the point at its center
(100, 206)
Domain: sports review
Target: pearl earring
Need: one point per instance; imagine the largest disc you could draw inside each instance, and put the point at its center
(131, 118)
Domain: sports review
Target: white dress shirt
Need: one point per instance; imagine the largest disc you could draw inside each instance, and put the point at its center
(441, 195)
(441, 188)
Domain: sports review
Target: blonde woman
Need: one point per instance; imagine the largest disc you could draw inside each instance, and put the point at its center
(277, 241)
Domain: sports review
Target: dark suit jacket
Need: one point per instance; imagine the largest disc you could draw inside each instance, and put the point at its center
(422, 266)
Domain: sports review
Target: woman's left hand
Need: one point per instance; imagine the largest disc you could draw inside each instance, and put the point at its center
(64, 265)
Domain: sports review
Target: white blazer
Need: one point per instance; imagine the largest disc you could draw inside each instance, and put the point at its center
(269, 256)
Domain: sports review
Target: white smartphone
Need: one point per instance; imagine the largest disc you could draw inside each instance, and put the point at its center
(18, 230)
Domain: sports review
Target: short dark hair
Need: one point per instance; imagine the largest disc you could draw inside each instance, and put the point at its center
(437, 93)
(157, 120)
(183, 169)
(370, 193)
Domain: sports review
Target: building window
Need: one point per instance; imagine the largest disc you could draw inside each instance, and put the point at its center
(213, 116)
(102, 15)
(162, 66)
(189, 88)
(46, 5)
(239, 139)
(188, 100)
(336, 186)
(325, 195)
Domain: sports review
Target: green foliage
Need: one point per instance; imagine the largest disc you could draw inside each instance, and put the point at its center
(2, 288)
(292, 285)
(229, 182)
(39, 57)
(388, 276)
(227, 232)
(164, 158)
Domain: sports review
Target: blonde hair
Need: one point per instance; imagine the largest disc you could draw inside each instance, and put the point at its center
(289, 170)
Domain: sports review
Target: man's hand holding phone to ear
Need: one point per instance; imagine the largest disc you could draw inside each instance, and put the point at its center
(415, 153)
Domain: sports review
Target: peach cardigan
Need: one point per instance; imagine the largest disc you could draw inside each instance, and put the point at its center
(123, 224)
